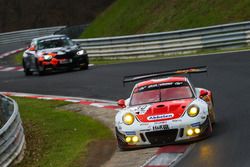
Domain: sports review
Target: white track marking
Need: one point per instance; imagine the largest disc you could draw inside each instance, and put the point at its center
(8, 69)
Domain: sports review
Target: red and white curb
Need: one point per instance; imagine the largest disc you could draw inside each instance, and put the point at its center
(6, 69)
(85, 101)
(11, 53)
(18, 68)
(167, 156)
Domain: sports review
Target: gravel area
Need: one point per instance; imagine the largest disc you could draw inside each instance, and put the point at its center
(135, 158)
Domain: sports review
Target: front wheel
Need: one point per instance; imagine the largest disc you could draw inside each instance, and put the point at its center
(210, 128)
(26, 70)
(40, 69)
(85, 66)
(121, 145)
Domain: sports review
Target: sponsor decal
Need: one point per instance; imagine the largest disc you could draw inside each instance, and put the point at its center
(143, 124)
(140, 109)
(203, 117)
(161, 127)
(163, 116)
(130, 133)
(144, 130)
(195, 124)
(177, 120)
(159, 123)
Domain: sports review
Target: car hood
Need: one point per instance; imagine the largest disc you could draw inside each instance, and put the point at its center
(59, 50)
(161, 111)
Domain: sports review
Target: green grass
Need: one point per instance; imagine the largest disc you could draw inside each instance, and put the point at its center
(55, 137)
(18, 58)
(126, 17)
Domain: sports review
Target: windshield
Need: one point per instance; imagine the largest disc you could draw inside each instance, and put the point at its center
(161, 92)
(54, 43)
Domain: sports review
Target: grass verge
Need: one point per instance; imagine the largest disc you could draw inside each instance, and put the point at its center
(146, 16)
(18, 58)
(55, 137)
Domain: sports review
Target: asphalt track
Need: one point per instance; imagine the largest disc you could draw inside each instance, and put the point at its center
(228, 78)
(11, 46)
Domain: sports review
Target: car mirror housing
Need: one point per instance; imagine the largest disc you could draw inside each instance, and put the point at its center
(121, 103)
(32, 48)
(203, 93)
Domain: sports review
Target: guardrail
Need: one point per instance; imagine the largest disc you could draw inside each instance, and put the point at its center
(26, 35)
(167, 43)
(12, 139)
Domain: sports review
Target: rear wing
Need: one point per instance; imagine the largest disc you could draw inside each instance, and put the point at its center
(189, 70)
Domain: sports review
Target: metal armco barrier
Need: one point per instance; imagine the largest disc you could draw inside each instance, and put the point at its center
(12, 139)
(167, 43)
(26, 35)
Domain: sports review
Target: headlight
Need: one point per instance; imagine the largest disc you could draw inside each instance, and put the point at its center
(81, 52)
(193, 111)
(128, 118)
(47, 57)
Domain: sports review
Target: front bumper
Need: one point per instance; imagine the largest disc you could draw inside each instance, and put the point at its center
(55, 63)
(174, 134)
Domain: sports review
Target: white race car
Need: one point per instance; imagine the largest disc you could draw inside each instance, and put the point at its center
(164, 111)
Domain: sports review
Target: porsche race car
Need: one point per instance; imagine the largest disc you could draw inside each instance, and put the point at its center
(52, 53)
(164, 111)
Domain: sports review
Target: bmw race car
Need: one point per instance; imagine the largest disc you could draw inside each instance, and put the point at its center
(164, 110)
(53, 52)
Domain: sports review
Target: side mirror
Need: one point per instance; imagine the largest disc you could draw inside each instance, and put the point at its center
(203, 93)
(32, 48)
(121, 103)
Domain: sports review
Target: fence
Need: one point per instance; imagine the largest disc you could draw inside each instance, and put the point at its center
(165, 43)
(12, 139)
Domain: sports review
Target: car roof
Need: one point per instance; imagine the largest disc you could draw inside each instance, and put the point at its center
(48, 36)
(161, 80)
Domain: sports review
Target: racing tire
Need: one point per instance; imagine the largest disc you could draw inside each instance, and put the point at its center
(40, 69)
(210, 128)
(26, 70)
(122, 145)
(86, 65)
(213, 118)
